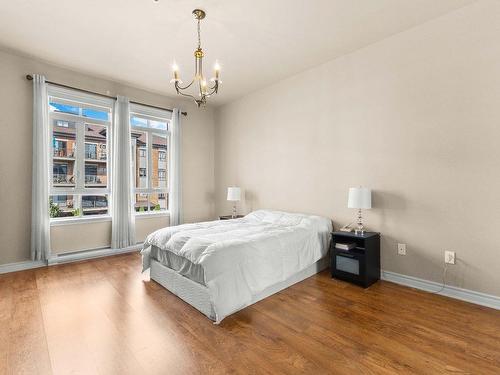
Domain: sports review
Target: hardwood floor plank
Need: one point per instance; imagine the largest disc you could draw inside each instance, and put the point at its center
(104, 317)
(26, 351)
(425, 329)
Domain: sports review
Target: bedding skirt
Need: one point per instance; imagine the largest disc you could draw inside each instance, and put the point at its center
(198, 295)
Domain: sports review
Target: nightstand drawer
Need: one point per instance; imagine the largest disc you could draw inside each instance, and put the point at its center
(349, 267)
(347, 263)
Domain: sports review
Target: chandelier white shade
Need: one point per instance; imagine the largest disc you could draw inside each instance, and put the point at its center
(198, 89)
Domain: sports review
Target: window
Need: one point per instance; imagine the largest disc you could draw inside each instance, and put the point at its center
(149, 135)
(64, 124)
(90, 150)
(79, 126)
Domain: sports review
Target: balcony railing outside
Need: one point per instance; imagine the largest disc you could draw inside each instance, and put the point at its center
(63, 179)
(70, 153)
(94, 204)
(64, 153)
(99, 155)
(93, 179)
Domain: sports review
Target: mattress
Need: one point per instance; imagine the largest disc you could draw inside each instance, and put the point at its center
(179, 264)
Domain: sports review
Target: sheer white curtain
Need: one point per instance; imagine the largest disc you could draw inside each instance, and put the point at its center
(175, 195)
(123, 225)
(40, 221)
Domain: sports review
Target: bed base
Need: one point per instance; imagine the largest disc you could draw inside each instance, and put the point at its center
(198, 295)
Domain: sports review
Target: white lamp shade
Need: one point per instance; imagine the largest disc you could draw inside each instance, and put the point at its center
(233, 194)
(360, 197)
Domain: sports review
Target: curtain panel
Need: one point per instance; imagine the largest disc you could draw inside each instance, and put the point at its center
(175, 195)
(40, 221)
(122, 211)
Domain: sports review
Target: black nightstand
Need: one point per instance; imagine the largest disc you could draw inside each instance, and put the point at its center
(359, 265)
(229, 217)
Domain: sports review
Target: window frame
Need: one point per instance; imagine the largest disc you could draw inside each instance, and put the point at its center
(154, 114)
(86, 101)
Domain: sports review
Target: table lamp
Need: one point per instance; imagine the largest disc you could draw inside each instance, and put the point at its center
(234, 195)
(360, 198)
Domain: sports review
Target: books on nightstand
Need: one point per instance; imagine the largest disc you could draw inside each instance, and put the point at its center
(345, 246)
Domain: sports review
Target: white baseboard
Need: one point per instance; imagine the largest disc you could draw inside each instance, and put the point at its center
(90, 254)
(21, 266)
(467, 295)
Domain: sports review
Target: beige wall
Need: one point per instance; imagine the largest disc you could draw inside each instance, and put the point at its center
(78, 237)
(15, 157)
(416, 117)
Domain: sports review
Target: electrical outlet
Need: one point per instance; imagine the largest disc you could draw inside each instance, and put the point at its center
(401, 248)
(449, 257)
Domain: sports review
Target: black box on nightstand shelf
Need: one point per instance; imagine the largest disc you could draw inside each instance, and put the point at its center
(355, 258)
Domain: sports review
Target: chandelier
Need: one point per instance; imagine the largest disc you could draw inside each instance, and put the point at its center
(201, 90)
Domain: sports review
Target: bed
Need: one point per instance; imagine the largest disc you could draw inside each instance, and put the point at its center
(220, 267)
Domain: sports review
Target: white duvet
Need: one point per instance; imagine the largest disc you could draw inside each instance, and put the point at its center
(242, 257)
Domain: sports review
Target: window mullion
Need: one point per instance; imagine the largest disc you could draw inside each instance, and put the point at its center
(51, 155)
(77, 202)
(80, 156)
(150, 161)
(169, 157)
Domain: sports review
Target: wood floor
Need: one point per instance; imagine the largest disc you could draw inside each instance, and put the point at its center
(104, 317)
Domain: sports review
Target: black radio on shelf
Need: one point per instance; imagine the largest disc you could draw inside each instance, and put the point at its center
(356, 258)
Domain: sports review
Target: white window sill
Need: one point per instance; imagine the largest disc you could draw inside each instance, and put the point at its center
(143, 215)
(78, 220)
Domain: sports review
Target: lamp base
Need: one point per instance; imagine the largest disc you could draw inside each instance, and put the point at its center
(360, 230)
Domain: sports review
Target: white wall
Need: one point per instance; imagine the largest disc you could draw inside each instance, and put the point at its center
(416, 117)
(16, 153)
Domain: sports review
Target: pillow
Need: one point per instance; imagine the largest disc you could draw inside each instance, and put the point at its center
(323, 224)
(276, 217)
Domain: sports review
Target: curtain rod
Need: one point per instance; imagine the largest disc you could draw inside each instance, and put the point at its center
(29, 77)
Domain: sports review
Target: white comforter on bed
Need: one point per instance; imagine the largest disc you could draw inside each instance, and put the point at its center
(242, 257)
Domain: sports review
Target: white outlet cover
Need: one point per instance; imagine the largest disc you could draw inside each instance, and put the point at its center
(449, 257)
(401, 248)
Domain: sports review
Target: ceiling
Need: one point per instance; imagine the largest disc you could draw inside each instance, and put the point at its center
(257, 42)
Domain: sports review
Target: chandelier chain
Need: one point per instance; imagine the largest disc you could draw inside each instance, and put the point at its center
(199, 38)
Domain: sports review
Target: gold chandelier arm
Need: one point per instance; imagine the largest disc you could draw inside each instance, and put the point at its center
(211, 92)
(186, 95)
(179, 87)
(214, 89)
